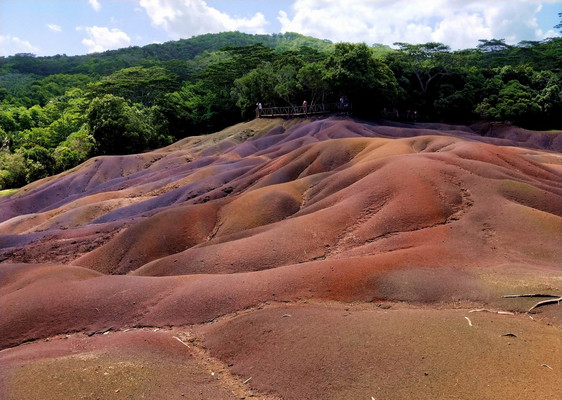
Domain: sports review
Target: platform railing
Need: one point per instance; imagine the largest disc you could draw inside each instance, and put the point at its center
(312, 109)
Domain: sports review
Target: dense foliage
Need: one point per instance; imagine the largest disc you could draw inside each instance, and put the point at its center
(58, 111)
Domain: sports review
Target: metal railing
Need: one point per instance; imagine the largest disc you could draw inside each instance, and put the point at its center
(300, 110)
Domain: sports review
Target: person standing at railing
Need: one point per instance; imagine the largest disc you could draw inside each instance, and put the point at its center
(259, 109)
(304, 107)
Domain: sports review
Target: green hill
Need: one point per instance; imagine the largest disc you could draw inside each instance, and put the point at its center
(58, 111)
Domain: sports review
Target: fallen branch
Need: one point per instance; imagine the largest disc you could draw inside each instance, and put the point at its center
(545, 302)
(247, 380)
(511, 296)
(102, 332)
(181, 341)
(486, 310)
(469, 322)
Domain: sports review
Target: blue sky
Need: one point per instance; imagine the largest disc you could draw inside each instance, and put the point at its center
(49, 27)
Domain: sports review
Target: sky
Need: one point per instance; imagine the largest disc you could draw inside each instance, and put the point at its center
(72, 27)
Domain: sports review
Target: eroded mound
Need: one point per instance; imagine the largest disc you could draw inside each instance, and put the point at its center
(328, 210)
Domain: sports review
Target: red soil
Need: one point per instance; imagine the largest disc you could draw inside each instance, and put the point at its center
(398, 353)
(334, 209)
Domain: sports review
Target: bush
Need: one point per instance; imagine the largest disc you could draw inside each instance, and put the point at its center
(14, 170)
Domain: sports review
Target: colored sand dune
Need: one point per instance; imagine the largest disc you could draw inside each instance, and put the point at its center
(325, 258)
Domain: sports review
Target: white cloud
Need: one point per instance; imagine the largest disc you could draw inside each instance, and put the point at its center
(10, 45)
(102, 38)
(458, 24)
(54, 27)
(186, 18)
(548, 34)
(95, 4)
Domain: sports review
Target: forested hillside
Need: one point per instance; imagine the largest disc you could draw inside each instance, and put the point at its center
(58, 111)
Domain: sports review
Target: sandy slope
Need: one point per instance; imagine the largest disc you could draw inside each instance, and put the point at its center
(431, 219)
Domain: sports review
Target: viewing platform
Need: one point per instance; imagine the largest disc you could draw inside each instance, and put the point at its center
(301, 111)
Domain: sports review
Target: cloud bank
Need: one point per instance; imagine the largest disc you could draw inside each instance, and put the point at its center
(101, 38)
(186, 18)
(458, 24)
(13, 45)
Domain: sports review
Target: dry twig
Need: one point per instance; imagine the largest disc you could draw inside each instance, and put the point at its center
(545, 302)
(556, 299)
(181, 341)
(486, 310)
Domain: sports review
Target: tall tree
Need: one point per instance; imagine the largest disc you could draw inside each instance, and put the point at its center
(429, 62)
(353, 71)
(138, 84)
(115, 126)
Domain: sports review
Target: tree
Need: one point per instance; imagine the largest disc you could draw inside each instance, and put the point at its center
(429, 62)
(286, 84)
(311, 78)
(116, 127)
(550, 101)
(352, 70)
(13, 169)
(39, 162)
(137, 84)
(514, 102)
(194, 109)
(457, 99)
(493, 45)
(256, 85)
(65, 158)
(82, 142)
